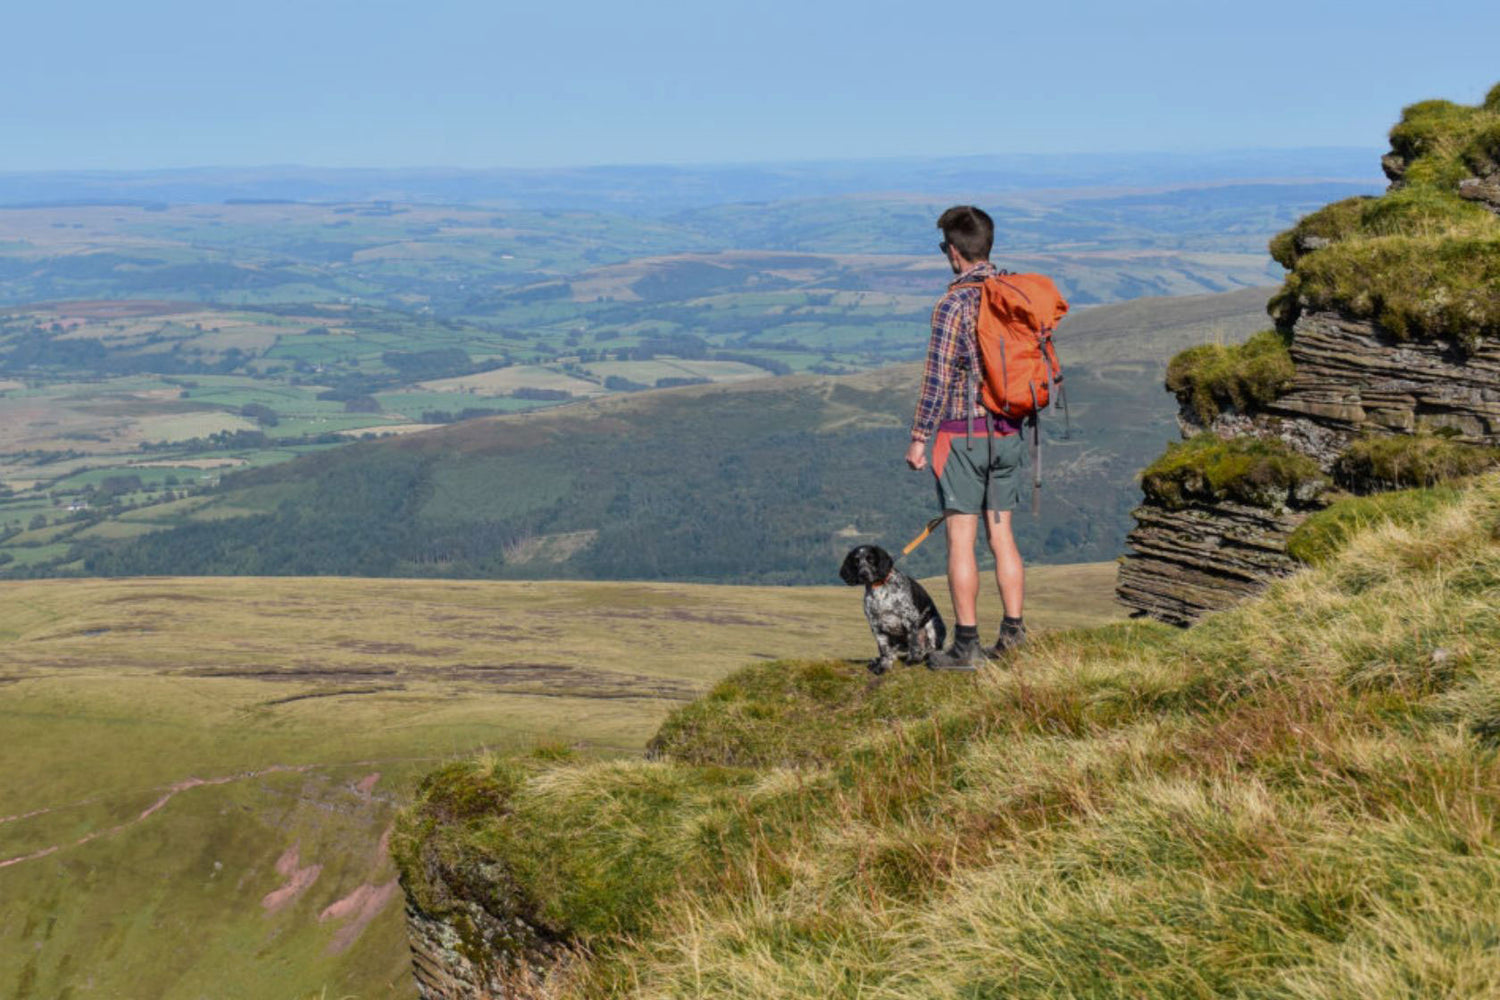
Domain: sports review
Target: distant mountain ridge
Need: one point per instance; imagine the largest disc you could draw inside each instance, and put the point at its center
(656, 190)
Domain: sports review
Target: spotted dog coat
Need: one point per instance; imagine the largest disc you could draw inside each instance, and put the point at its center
(899, 609)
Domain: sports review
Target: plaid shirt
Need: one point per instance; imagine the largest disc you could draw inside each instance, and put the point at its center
(950, 356)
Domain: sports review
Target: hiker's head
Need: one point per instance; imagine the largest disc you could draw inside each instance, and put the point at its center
(968, 234)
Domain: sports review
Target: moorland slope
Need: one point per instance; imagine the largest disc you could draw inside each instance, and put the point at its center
(198, 776)
(1293, 799)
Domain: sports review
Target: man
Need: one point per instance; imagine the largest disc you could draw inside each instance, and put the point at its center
(976, 455)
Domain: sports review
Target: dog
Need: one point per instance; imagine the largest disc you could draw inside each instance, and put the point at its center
(899, 609)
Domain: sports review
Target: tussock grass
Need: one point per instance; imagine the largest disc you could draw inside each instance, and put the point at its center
(1419, 261)
(1325, 533)
(1211, 378)
(1390, 462)
(1264, 473)
(1294, 799)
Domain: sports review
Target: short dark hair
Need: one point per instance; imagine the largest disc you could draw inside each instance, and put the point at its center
(968, 230)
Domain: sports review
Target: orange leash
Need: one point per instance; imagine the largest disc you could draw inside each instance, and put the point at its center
(931, 527)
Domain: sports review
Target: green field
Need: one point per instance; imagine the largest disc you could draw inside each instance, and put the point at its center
(198, 774)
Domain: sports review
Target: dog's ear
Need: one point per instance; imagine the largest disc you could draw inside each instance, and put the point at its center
(883, 564)
(849, 572)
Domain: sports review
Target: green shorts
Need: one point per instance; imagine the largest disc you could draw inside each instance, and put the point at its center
(975, 475)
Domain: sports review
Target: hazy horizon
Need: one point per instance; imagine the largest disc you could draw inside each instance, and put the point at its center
(168, 82)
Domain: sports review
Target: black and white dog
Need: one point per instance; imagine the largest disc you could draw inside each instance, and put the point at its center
(900, 610)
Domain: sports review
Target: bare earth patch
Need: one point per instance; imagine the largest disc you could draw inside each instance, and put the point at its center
(359, 907)
(298, 880)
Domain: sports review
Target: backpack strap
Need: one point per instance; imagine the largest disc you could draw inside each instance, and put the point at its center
(1036, 465)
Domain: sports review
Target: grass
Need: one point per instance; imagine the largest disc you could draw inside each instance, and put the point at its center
(1419, 261)
(1262, 473)
(1294, 799)
(113, 692)
(1327, 532)
(1211, 378)
(1393, 462)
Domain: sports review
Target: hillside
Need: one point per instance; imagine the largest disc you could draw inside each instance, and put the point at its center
(752, 482)
(198, 776)
(1294, 799)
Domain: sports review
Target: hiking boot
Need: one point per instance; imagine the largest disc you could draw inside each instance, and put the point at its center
(964, 654)
(1011, 638)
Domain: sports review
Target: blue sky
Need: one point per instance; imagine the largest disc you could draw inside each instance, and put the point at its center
(165, 83)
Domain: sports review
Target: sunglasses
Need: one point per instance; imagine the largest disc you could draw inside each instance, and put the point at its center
(943, 247)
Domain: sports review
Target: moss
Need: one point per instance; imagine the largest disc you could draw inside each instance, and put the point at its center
(1424, 212)
(1326, 532)
(1430, 137)
(1212, 378)
(1420, 261)
(1249, 470)
(791, 714)
(1389, 462)
(1482, 154)
(1331, 223)
(1414, 288)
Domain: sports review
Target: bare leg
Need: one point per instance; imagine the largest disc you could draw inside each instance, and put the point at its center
(963, 571)
(1010, 573)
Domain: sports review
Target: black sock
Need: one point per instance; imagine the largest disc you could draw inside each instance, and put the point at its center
(966, 633)
(1009, 624)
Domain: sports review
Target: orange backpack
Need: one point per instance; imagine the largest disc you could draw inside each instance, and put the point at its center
(1019, 369)
(1014, 339)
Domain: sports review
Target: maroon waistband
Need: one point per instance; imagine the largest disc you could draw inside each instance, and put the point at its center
(998, 425)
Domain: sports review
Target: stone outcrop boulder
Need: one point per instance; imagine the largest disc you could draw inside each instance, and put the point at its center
(1420, 259)
(1205, 557)
(1352, 378)
(468, 953)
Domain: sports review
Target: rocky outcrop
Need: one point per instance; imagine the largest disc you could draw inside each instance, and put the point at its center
(1418, 259)
(469, 954)
(1352, 378)
(1485, 190)
(1204, 557)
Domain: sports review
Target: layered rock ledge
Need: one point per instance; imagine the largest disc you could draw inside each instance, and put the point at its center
(1351, 377)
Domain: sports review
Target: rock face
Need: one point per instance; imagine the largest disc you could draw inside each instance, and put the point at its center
(1351, 378)
(1204, 557)
(467, 953)
(1485, 190)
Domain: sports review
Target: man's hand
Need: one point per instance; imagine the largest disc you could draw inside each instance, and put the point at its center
(916, 455)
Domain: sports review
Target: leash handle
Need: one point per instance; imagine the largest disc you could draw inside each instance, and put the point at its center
(929, 529)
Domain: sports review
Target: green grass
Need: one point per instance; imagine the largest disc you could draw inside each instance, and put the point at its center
(113, 692)
(1413, 288)
(1326, 532)
(1392, 462)
(1292, 800)
(1211, 378)
(1263, 473)
(1419, 261)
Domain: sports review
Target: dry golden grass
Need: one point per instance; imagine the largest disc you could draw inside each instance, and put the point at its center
(169, 740)
(1296, 799)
